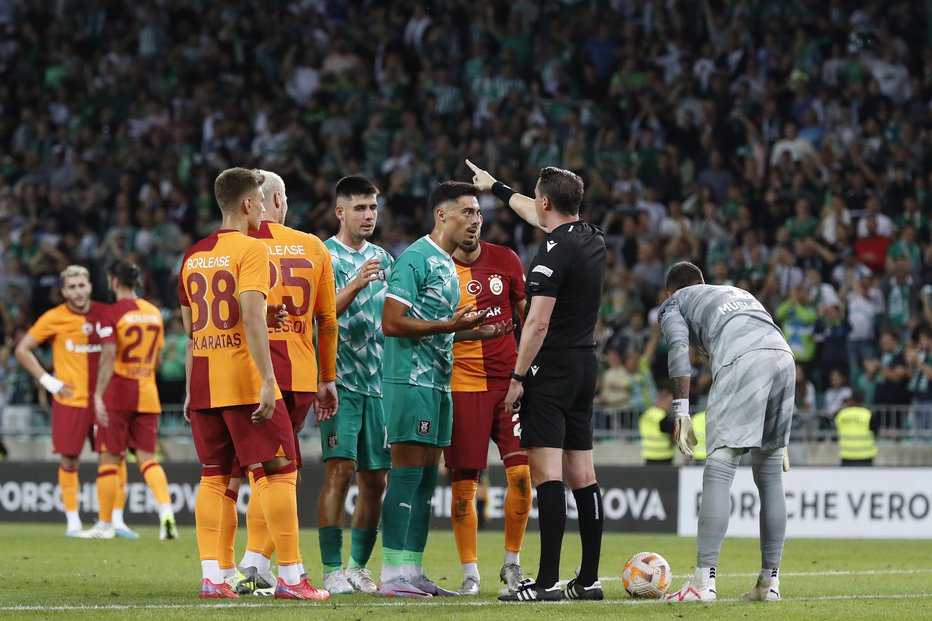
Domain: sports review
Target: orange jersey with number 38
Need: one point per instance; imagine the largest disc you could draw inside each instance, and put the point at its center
(139, 334)
(214, 273)
(301, 278)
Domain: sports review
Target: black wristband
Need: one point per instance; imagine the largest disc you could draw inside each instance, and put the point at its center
(502, 192)
(516, 377)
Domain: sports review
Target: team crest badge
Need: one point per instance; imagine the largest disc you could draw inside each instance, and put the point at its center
(87, 328)
(332, 441)
(423, 427)
(495, 285)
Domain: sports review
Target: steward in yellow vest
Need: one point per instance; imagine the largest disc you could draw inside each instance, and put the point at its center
(699, 451)
(856, 426)
(656, 430)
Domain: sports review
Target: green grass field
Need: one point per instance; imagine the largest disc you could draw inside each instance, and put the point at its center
(43, 576)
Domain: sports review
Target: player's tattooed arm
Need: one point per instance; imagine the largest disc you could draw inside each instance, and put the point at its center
(679, 386)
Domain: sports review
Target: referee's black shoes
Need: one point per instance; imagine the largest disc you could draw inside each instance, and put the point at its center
(575, 590)
(528, 591)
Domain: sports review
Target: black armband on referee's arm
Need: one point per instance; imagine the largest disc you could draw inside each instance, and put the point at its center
(502, 192)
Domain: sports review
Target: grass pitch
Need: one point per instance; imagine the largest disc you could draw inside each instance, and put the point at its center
(45, 576)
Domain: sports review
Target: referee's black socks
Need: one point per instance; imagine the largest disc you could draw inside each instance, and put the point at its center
(551, 516)
(589, 509)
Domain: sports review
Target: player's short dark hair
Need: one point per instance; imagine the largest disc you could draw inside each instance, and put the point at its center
(450, 191)
(683, 274)
(233, 184)
(563, 187)
(126, 272)
(354, 185)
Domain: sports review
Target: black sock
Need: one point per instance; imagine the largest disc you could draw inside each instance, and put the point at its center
(591, 519)
(551, 518)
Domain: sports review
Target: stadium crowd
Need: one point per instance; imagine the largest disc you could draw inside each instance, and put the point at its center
(782, 146)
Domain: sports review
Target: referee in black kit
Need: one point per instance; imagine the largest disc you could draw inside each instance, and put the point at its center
(553, 383)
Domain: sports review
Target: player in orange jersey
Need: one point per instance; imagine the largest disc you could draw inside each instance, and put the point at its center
(491, 278)
(233, 402)
(126, 400)
(302, 281)
(75, 329)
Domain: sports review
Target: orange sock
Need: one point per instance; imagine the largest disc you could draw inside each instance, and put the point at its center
(119, 501)
(465, 520)
(154, 475)
(208, 510)
(517, 506)
(68, 482)
(229, 520)
(257, 531)
(280, 506)
(106, 491)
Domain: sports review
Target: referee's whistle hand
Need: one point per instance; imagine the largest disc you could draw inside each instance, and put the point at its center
(513, 397)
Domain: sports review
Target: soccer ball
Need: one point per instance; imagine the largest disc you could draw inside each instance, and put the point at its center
(647, 575)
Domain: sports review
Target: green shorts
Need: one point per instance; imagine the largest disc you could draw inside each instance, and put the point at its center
(418, 414)
(357, 432)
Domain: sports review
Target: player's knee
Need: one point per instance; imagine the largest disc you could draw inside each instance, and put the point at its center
(463, 474)
(339, 472)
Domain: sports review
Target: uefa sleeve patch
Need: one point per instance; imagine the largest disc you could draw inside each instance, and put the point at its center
(543, 269)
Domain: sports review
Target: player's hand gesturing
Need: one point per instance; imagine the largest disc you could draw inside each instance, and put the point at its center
(464, 319)
(499, 328)
(369, 271)
(326, 403)
(275, 315)
(481, 178)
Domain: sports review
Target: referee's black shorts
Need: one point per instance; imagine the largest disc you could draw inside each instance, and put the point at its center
(556, 409)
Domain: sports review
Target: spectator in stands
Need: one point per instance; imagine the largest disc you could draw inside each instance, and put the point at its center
(919, 359)
(797, 317)
(837, 393)
(890, 375)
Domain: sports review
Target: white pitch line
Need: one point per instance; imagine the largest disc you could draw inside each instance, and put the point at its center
(457, 602)
(446, 602)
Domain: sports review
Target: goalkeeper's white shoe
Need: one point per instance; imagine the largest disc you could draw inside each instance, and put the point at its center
(693, 591)
(764, 591)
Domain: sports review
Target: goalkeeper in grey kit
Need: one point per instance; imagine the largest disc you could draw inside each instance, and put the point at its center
(750, 409)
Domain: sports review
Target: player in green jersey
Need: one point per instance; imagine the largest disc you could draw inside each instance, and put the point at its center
(356, 439)
(419, 319)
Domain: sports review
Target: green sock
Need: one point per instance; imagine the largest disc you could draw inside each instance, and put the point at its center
(412, 558)
(362, 542)
(396, 508)
(331, 547)
(419, 525)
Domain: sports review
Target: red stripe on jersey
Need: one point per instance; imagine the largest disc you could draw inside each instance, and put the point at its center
(200, 383)
(281, 364)
(264, 231)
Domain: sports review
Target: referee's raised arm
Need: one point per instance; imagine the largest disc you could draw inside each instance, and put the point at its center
(522, 205)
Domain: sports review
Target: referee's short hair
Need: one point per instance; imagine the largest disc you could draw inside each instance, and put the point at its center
(449, 192)
(683, 274)
(563, 187)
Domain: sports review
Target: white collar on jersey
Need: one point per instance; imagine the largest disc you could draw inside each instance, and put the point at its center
(365, 244)
(434, 244)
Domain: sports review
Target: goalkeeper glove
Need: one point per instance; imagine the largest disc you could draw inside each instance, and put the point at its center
(683, 427)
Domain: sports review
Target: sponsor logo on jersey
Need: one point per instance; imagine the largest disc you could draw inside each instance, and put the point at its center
(550, 245)
(494, 311)
(534, 369)
(474, 287)
(423, 427)
(287, 250)
(195, 263)
(82, 348)
(495, 284)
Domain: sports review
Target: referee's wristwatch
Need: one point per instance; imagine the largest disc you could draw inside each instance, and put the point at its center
(516, 377)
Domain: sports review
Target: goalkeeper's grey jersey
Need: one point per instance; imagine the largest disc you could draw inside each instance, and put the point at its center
(721, 322)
